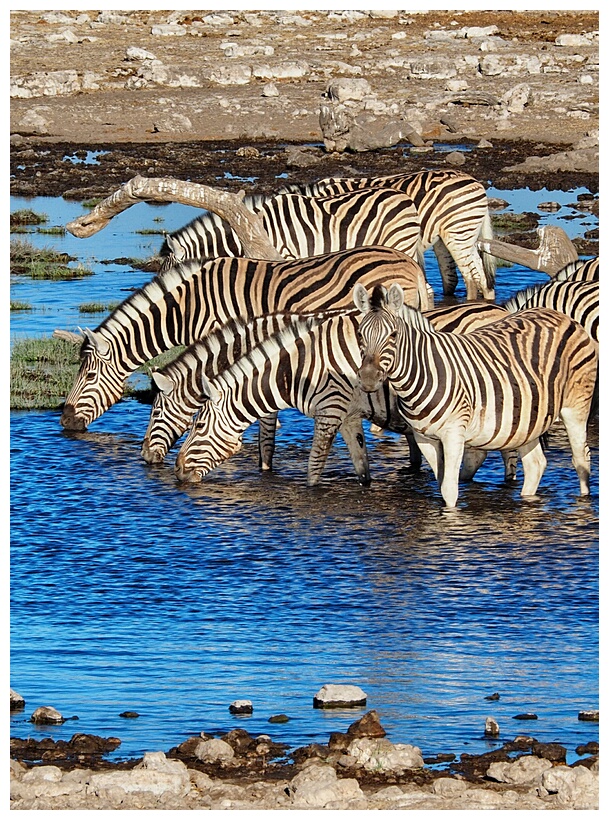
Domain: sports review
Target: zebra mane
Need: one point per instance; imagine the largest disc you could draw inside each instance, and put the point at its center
(152, 292)
(412, 316)
(519, 300)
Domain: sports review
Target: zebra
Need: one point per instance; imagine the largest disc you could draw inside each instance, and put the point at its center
(300, 226)
(311, 364)
(499, 387)
(454, 213)
(183, 304)
(180, 391)
(575, 298)
(582, 270)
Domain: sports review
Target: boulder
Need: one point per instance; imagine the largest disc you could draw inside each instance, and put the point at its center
(47, 714)
(317, 787)
(339, 696)
(154, 774)
(212, 751)
(526, 769)
(380, 755)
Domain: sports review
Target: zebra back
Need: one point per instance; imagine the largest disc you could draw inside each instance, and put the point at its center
(582, 270)
(183, 304)
(575, 298)
(300, 226)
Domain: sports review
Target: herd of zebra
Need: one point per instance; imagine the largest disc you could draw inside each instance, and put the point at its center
(345, 329)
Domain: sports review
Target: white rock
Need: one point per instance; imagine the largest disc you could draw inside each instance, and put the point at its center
(478, 31)
(526, 769)
(168, 30)
(135, 53)
(231, 75)
(210, 751)
(154, 774)
(449, 787)
(517, 98)
(340, 694)
(270, 90)
(380, 754)
(576, 786)
(586, 79)
(573, 40)
(46, 714)
(346, 88)
(51, 773)
(433, 68)
(317, 786)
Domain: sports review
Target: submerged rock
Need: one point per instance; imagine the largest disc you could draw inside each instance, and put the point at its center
(336, 695)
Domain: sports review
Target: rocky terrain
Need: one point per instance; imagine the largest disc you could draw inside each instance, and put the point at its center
(248, 100)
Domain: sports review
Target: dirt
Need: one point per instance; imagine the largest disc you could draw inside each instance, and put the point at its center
(231, 135)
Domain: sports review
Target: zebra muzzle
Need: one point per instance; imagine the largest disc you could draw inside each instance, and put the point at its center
(187, 475)
(70, 421)
(370, 377)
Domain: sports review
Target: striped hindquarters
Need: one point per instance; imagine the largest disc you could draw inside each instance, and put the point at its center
(576, 299)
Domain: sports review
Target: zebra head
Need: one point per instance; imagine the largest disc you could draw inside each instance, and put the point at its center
(378, 330)
(212, 439)
(98, 385)
(170, 416)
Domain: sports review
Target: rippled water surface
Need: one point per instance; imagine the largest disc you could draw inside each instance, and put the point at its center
(131, 592)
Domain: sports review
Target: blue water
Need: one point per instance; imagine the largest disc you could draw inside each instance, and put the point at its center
(131, 592)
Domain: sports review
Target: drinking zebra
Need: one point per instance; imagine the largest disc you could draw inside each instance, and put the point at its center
(496, 388)
(454, 214)
(183, 304)
(300, 226)
(180, 386)
(311, 365)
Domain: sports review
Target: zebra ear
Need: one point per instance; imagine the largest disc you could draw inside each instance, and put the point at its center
(395, 298)
(177, 251)
(209, 392)
(164, 384)
(98, 342)
(361, 298)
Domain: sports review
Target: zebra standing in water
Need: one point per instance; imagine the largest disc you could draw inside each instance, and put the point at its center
(454, 213)
(182, 305)
(499, 387)
(180, 386)
(300, 226)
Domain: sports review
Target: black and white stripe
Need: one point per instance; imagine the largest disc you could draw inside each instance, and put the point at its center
(180, 306)
(454, 215)
(582, 270)
(299, 226)
(497, 388)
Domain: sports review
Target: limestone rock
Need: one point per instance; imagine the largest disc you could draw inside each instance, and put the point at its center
(576, 787)
(154, 774)
(318, 786)
(47, 714)
(212, 751)
(17, 702)
(379, 754)
(336, 695)
(526, 769)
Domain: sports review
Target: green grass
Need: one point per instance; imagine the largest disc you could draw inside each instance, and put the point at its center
(42, 373)
(91, 203)
(44, 370)
(97, 307)
(55, 230)
(27, 217)
(150, 232)
(43, 263)
(20, 306)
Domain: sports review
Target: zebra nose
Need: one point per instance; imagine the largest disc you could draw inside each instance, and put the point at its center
(70, 421)
(370, 378)
(186, 474)
(152, 455)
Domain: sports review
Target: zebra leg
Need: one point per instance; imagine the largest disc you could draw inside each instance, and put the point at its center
(266, 441)
(510, 462)
(533, 465)
(353, 435)
(323, 436)
(576, 431)
(471, 267)
(415, 452)
(472, 461)
(447, 266)
(431, 450)
(453, 443)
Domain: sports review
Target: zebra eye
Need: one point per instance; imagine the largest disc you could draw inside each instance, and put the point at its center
(91, 376)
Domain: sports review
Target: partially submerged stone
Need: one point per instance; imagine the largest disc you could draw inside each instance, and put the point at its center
(47, 714)
(339, 696)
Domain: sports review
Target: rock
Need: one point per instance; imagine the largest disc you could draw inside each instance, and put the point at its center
(270, 90)
(129, 715)
(297, 157)
(574, 787)
(172, 123)
(524, 770)
(590, 748)
(583, 160)
(380, 755)
(517, 98)
(432, 68)
(495, 695)
(525, 716)
(239, 740)
(590, 716)
(337, 696)
(154, 774)
(17, 702)
(279, 719)
(241, 707)
(491, 727)
(213, 751)
(550, 751)
(318, 786)
(47, 714)
(367, 726)
(455, 158)
(348, 89)
(230, 75)
(573, 40)
(449, 787)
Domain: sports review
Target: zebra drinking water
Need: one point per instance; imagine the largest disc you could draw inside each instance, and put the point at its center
(454, 214)
(183, 304)
(500, 387)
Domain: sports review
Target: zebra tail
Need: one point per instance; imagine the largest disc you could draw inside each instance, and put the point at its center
(489, 262)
